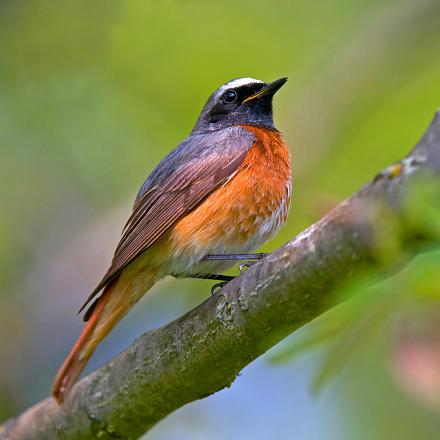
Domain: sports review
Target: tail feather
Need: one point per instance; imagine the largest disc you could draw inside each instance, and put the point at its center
(116, 300)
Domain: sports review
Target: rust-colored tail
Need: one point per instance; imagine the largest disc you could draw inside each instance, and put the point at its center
(116, 300)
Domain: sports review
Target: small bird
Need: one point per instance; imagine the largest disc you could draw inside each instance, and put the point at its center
(219, 195)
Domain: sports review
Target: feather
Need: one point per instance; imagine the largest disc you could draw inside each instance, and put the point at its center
(197, 167)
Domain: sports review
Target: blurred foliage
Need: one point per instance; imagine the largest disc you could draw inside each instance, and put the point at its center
(347, 329)
(387, 318)
(370, 302)
(94, 94)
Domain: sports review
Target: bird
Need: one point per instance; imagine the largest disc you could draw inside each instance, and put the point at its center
(212, 201)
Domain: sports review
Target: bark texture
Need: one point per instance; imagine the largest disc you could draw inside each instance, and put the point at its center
(204, 350)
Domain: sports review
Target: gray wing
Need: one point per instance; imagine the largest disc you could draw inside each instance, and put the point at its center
(180, 182)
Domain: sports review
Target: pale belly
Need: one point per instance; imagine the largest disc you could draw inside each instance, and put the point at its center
(240, 226)
(239, 216)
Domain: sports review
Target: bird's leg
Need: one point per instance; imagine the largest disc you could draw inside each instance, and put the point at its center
(237, 257)
(224, 279)
(205, 276)
(234, 257)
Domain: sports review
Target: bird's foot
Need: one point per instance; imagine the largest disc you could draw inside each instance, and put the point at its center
(245, 266)
(217, 287)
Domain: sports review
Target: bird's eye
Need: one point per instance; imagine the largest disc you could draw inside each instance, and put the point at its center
(230, 96)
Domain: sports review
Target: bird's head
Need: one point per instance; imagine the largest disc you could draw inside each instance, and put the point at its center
(239, 101)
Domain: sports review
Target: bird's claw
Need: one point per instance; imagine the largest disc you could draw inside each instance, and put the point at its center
(245, 266)
(217, 287)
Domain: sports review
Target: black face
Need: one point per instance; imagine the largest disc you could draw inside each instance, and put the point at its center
(240, 101)
(230, 100)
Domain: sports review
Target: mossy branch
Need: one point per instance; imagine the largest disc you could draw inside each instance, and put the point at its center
(204, 350)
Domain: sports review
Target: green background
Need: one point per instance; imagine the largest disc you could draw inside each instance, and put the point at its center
(94, 94)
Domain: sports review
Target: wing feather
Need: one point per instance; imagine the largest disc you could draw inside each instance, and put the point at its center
(169, 194)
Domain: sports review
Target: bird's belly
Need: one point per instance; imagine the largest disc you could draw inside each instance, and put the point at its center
(236, 218)
(231, 231)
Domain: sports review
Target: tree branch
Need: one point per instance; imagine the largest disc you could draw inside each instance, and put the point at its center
(204, 350)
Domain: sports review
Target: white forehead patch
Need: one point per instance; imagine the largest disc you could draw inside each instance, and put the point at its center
(238, 83)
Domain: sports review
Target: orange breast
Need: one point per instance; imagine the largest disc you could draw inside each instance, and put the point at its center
(247, 210)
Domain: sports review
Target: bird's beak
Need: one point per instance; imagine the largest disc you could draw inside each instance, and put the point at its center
(268, 89)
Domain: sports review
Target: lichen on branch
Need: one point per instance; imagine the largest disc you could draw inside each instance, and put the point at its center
(204, 350)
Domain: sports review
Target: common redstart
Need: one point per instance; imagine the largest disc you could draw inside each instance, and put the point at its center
(217, 196)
